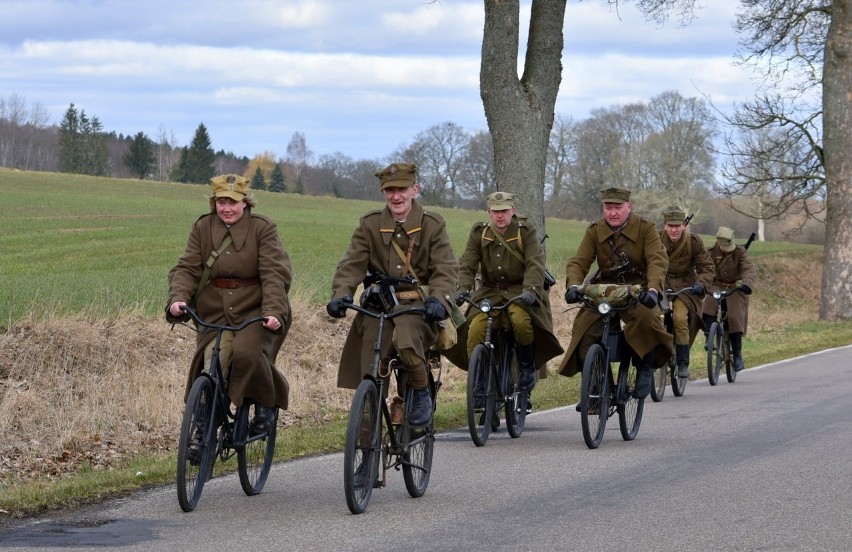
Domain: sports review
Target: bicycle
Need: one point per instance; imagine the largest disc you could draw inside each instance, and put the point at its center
(602, 393)
(211, 428)
(719, 340)
(492, 378)
(374, 438)
(678, 384)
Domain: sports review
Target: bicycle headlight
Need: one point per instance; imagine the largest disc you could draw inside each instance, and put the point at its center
(485, 305)
(604, 308)
(717, 295)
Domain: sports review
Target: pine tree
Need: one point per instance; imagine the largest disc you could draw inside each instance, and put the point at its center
(276, 180)
(258, 182)
(70, 145)
(199, 158)
(140, 156)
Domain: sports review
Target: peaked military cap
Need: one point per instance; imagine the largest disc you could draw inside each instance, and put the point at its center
(674, 215)
(500, 201)
(233, 186)
(725, 239)
(615, 195)
(397, 175)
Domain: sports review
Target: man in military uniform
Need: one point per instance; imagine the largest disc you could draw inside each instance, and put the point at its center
(401, 240)
(689, 267)
(508, 256)
(733, 269)
(628, 250)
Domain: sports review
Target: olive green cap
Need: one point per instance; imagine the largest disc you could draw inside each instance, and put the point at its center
(615, 195)
(674, 215)
(500, 201)
(233, 186)
(725, 239)
(397, 175)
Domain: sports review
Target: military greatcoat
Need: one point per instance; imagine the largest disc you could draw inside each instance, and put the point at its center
(256, 252)
(689, 262)
(732, 269)
(505, 276)
(424, 233)
(639, 241)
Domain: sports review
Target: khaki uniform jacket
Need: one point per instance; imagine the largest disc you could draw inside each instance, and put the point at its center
(732, 269)
(256, 252)
(370, 249)
(689, 262)
(504, 276)
(639, 239)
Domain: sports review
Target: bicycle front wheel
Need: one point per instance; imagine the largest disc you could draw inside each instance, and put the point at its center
(515, 398)
(594, 396)
(714, 352)
(255, 458)
(678, 384)
(480, 395)
(362, 450)
(729, 361)
(629, 407)
(197, 446)
(417, 459)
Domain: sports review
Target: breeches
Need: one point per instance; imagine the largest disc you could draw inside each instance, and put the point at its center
(519, 318)
(680, 318)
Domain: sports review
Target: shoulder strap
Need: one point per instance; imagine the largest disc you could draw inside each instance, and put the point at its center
(205, 276)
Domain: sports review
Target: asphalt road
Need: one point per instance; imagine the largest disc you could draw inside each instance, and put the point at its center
(761, 464)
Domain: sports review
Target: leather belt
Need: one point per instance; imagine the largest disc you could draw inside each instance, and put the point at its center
(233, 283)
(408, 295)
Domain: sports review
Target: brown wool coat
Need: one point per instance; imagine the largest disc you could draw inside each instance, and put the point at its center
(256, 252)
(689, 262)
(485, 255)
(732, 269)
(643, 328)
(432, 261)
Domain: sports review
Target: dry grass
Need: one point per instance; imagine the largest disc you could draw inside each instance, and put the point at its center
(77, 392)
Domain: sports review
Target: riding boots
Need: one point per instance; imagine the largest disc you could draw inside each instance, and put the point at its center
(526, 366)
(737, 350)
(644, 376)
(682, 358)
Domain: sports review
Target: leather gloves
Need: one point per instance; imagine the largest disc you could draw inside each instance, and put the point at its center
(337, 307)
(746, 289)
(648, 298)
(572, 295)
(697, 289)
(460, 296)
(435, 311)
(527, 298)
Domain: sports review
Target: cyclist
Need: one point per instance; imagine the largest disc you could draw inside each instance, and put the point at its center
(733, 269)
(402, 239)
(689, 266)
(250, 276)
(628, 250)
(509, 258)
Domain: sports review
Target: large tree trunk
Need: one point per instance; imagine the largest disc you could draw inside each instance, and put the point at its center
(836, 301)
(520, 111)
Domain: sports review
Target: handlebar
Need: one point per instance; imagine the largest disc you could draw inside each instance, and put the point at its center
(722, 293)
(387, 279)
(194, 315)
(486, 306)
(606, 298)
(388, 315)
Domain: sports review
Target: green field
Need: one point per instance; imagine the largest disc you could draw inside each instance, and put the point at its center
(102, 245)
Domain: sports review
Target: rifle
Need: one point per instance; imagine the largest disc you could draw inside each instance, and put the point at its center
(549, 280)
(687, 219)
(750, 239)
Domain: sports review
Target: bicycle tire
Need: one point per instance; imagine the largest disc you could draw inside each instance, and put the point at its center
(254, 459)
(729, 361)
(480, 405)
(194, 466)
(678, 384)
(629, 407)
(658, 389)
(594, 396)
(362, 450)
(417, 459)
(714, 352)
(514, 398)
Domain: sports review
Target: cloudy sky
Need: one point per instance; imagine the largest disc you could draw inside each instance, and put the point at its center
(360, 77)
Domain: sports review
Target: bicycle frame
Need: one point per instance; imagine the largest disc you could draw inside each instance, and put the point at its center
(506, 345)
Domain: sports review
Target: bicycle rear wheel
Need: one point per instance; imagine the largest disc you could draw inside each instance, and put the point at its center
(362, 451)
(594, 396)
(658, 389)
(417, 459)
(714, 352)
(515, 398)
(729, 361)
(480, 395)
(197, 445)
(255, 458)
(629, 407)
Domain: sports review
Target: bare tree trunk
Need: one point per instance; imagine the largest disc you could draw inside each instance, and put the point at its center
(836, 301)
(520, 111)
